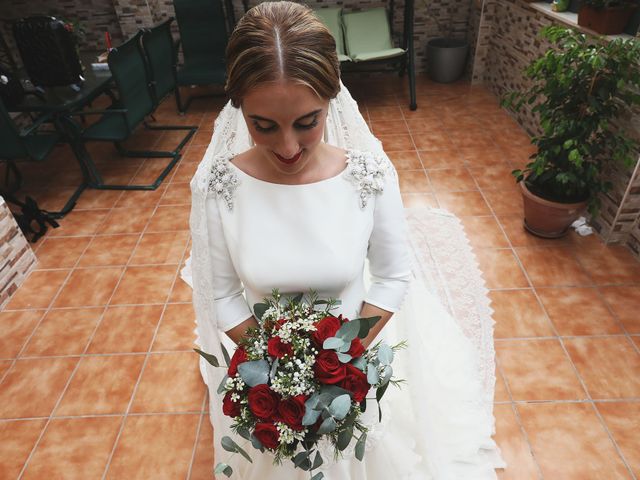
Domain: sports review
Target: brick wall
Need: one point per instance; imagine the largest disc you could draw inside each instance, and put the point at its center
(508, 41)
(16, 257)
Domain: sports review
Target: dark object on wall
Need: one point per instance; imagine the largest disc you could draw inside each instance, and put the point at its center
(11, 91)
(606, 21)
(446, 59)
(48, 51)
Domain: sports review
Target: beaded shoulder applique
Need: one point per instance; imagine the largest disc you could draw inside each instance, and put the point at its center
(367, 172)
(223, 181)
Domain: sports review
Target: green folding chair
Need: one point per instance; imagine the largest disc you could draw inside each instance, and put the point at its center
(28, 145)
(136, 100)
(203, 37)
(332, 18)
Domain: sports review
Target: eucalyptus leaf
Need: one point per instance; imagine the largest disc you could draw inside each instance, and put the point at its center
(259, 309)
(274, 368)
(257, 444)
(317, 476)
(380, 391)
(349, 330)
(329, 425)
(297, 298)
(312, 401)
(310, 416)
(344, 438)
(230, 446)
(340, 407)
(301, 460)
(244, 433)
(360, 363)
(344, 357)
(255, 372)
(363, 405)
(317, 461)
(385, 354)
(225, 354)
(366, 324)
(223, 383)
(387, 374)
(373, 376)
(360, 445)
(324, 400)
(332, 343)
(333, 391)
(212, 359)
(223, 468)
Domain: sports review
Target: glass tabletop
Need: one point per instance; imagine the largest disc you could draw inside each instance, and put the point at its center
(64, 99)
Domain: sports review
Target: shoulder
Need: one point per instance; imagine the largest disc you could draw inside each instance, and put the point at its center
(222, 180)
(369, 172)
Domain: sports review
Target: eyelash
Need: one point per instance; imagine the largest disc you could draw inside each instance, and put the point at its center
(274, 127)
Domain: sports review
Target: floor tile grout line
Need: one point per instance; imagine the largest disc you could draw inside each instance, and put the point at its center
(196, 441)
(566, 352)
(75, 368)
(145, 361)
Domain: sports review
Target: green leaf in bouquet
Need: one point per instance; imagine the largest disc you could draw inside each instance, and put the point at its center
(244, 432)
(208, 357)
(373, 376)
(259, 309)
(333, 343)
(380, 391)
(230, 446)
(317, 476)
(325, 399)
(329, 425)
(274, 369)
(221, 387)
(225, 354)
(385, 354)
(363, 405)
(366, 324)
(362, 442)
(360, 363)
(344, 438)
(223, 468)
(344, 357)
(321, 302)
(349, 330)
(255, 372)
(312, 401)
(387, 374)
(340, 406)
(317, 461)
(297, 298)
(310, 416)
(257, 444)
(301, 460)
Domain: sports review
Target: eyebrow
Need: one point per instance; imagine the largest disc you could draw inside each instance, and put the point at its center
(258, 117)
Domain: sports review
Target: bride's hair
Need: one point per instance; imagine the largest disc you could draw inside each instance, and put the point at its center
(281, 41)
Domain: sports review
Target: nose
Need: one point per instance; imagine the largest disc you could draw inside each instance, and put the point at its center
(288, 145)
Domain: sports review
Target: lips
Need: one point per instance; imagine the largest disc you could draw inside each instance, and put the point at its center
(289, 161)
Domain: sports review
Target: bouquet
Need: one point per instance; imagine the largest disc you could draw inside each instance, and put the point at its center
(299, 377)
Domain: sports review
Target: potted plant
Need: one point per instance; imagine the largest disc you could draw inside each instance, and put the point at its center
(608, 17)
(446, 55)
(578, 90)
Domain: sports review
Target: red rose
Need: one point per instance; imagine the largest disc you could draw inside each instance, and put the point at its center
(325, 328)
(292, 410)
(277, 348)
(328, 368)
(268, 434)
(239, 356)
(263, 402)
(356, 382)
(357, 349)
(229, 407)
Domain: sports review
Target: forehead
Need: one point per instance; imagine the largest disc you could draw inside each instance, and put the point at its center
(282, 101)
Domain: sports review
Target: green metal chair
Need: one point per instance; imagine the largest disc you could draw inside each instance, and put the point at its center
(364, 41)
(162, 56)
(203, 36)
(31, 146)
(136, 100)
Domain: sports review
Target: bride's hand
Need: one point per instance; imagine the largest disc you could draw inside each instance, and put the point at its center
(372, 311)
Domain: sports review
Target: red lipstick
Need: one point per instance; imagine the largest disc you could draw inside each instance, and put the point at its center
(289, 161)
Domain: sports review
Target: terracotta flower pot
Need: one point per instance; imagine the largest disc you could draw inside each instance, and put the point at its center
(606, 21)
(548, 219)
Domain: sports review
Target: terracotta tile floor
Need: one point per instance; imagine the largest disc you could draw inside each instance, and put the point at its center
(97, 375)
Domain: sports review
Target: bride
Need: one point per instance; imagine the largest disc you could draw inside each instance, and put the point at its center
(295, 193)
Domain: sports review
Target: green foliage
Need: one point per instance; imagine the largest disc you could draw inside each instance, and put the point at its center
(579, 89)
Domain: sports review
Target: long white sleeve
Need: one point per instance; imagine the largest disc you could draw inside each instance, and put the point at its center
(230, 304)
(388, 249)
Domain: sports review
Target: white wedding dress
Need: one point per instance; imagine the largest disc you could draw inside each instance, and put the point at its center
(346, 237)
